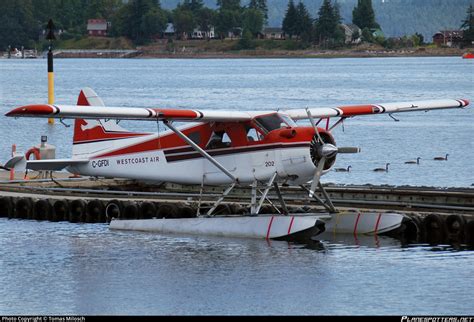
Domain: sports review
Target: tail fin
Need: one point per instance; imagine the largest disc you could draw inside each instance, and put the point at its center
(94, 135)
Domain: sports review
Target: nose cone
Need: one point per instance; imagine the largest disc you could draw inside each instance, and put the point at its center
(328, 150)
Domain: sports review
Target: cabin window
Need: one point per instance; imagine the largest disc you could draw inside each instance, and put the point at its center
(272, 122)
(219, 140)
(253, 135)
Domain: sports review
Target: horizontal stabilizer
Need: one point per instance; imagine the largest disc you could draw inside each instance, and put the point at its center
(14, 161)
(53, 164)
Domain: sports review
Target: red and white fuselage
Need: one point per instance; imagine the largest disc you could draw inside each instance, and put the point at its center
(165, 157)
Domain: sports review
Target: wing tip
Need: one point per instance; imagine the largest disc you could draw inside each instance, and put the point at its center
(464, 102)
(32, 110)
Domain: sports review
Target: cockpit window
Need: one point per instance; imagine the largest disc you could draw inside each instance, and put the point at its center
(288, 120)
(272, 122)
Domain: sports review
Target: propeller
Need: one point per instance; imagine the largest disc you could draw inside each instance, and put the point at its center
(314, 126)
(321, 152)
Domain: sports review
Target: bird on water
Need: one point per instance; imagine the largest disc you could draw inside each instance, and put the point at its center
(382, 169)
(413, 161)
(442, 158)
(343, 169)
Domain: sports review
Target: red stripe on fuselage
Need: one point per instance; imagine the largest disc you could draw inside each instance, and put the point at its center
(220, 152)
(109, 139)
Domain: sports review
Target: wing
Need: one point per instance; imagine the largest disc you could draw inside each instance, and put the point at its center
(131, 113)
(354, 110)
(141, 113)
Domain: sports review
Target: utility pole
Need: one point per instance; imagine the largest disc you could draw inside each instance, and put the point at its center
(50, 37)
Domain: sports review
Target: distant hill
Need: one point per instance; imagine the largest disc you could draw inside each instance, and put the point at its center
(396, 17)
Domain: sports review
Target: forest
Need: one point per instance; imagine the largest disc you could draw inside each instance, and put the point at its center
(23, 21)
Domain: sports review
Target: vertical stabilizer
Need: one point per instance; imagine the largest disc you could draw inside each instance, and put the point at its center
(93, 135)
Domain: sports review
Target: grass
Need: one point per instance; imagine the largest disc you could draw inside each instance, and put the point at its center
(95, 43)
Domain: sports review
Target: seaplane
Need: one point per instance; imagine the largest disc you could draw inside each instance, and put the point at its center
(258, 149)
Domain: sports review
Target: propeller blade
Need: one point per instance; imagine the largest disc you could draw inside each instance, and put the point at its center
(314, 126)
(317, 176)
(348, 149)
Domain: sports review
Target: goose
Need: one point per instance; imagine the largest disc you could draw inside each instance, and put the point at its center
(343, 169)
(441, 158)
(413, 161)
(382, 169)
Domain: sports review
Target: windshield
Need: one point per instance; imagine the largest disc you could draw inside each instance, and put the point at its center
(288, 120)
(272, 122)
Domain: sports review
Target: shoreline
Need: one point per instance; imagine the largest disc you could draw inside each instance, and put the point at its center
(192, 53)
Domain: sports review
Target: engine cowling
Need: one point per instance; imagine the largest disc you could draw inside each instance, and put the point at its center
(328, 149)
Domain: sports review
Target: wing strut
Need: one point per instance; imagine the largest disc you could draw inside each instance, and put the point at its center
(200, 151)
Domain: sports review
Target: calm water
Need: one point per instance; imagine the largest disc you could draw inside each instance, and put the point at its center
(65, 268)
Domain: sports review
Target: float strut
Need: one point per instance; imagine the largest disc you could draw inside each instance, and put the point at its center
(280, 197)
(265, 192)
(218, 202)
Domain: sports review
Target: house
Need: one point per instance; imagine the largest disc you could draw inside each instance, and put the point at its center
(450, 38)
(200, 34)
(377, 33)
(169, 31)
(273, 33)
(352, 33)
(235, 33)
(97, 27)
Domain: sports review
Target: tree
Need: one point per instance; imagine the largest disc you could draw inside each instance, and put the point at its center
(304, 23)
(418, 39)
(193, 5)
(183, 21)
(139, 20)
(327, 22)
(205, 19)
(229, 5)
(225, 21)
(363, 15)
(252, 21)
(246, 42)
(290, 21)
(468, 27)
(367, 35)
(260, 5)
(155, 21)
(18, 27)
